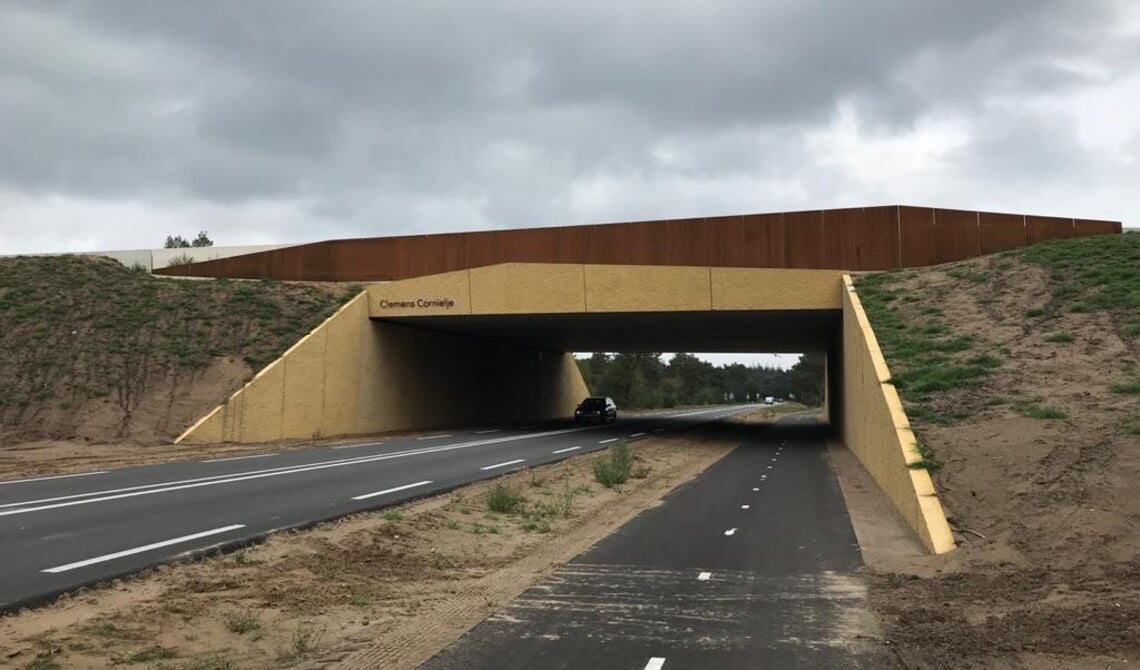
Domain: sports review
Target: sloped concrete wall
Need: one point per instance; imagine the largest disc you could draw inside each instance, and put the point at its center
(875, 428)
(353, 376)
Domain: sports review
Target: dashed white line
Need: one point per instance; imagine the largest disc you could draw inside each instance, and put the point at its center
(484, 432)
(730, 531)
(405, 487)
(563, 451)
(139, 550)
(773, 460)
(434, 437)
(755, 488)
(655, 663)
(769, 467)
(745, 506)
(637, 434)
(502, 465)
(238, 458)
(704, 576)
(44, 479)
(612, 439)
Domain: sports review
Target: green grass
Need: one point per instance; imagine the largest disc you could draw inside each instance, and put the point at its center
(393, 515)
(504, 499)
(1034, 313)
(1035, 410)
(75, 330)
(1059, 337)
(1131, 426)
(44, 661)
(1092, 273)
(926, 458)
(615, 469)
(155, 653)
(1126, 387)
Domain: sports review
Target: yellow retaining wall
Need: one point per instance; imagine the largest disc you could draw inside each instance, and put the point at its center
(876, 429)
(353, 376)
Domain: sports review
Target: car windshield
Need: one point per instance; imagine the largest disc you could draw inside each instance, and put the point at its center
(594, 403)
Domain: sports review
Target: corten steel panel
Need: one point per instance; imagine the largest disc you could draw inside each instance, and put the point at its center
(289, 263)
(610, 244)
(956, 235)
(765, 237)
(879, 248)
(804, 239)
(1001, 231)
(369, 259)
(481, 248)
(1085, 227)
(685, 242)
(646, 244)
(724, 237)
(916, 236)
(514, 246)
(572, 245)
(249, 266)
(1039, 228)
(451, 252)
(835, 224)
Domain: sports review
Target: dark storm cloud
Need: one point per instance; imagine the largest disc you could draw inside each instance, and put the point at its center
(368, 110)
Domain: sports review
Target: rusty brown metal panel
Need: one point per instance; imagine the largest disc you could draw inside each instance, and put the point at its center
(610, 244)
(916, 237)
(481, 248)
(686, 242)
(879, 250)
(451, 252)
(766, 237)
(571, 244)
(804, 239)
(835, 231)
(724, 240)
(956, 235)
(1084, 227)
(647, 243)
(1001, 231)
(514, 245)
(1039, 228)
(368, 259)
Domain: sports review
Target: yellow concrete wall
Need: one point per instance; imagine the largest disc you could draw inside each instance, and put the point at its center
(354, 376)
(539, 288)
(875, 428)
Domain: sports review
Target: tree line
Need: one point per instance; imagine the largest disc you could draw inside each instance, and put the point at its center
(645, 381)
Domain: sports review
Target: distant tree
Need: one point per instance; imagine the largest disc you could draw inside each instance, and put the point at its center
(179, 242)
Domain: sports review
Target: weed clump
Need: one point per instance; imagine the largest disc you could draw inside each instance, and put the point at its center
(504, 499)
(615, 469)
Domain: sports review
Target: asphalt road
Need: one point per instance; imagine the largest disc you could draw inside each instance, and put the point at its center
(754, 564)
(60, 533)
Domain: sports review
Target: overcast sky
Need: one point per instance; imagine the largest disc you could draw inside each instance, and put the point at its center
(273, 121)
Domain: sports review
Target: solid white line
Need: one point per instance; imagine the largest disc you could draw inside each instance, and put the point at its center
(139, 550)
(484, 432)
(44, 479)
(434, 437)
(745, 506)
(405, 487)
(503, 465)
(730, 531)
(655, 663)
(148, 489)
(237, 458)
(612, 439)
(704, 576)
(637, 434)
(755, 488)
(563, 451)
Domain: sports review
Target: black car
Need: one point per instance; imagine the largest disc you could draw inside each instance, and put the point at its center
(596, 408)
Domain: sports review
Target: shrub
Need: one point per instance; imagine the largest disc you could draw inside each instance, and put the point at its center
(614, 470)
(504, 499)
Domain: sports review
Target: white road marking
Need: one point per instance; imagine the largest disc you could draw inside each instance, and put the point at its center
(655, 663)
(730, 531)
(612, 439)
(755, 488)
(238, 458)
(745, 506)
(660, 430)
(44, 479)
(165, 487)
(769, 467)
(405, 487)
(503, 465)
(484, 432)
(563, 451)
(434, 437)
(773, 460)
(353, 446)
(704, 576)
(139, 550)
(637, 434)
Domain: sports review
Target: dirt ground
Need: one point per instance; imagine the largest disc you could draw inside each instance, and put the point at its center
(384, 589)
(1046, 511)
